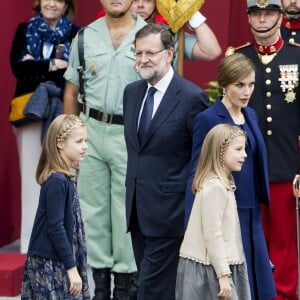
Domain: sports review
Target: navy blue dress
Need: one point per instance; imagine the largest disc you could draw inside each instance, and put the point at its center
(251, 223)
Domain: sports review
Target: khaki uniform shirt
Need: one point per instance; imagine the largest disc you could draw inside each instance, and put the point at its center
(107, 70)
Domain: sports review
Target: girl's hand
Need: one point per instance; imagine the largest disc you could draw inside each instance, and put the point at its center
(75, 281)
(225, 288)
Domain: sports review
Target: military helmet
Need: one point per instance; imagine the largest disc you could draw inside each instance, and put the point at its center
(263, 4)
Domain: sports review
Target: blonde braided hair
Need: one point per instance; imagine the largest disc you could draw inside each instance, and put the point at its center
(50, 159)
(232, 134)
(212, 154)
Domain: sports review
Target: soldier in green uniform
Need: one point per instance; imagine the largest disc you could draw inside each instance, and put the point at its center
(109, 67)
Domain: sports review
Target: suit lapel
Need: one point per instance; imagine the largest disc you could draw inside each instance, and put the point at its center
(222, 112)
(139, 96)
(166, 106)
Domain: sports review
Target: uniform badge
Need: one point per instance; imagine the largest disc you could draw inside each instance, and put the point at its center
(289, 80)
(93, 68)
(262, 3)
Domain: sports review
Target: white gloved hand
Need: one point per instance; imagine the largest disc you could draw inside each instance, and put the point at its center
(196, 20)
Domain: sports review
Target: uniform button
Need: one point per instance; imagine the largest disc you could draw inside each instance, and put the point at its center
(268, 106)
(269, 119)
(268, 70)
(268, 94)
(269, 132)
(268, 81)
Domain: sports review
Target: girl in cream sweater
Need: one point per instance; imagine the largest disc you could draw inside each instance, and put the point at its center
(212, 262)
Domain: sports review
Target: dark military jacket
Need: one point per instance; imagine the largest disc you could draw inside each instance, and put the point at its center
(288, 34)
(278, 113)
(290, 30)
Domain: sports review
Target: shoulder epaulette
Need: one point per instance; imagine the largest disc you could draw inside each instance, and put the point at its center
(292, 42)
(230, 50)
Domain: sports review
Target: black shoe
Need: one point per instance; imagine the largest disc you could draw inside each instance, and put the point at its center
(102, 283)
(133, 288)
(125, 288)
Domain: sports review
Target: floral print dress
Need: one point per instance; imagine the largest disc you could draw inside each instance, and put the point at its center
(46, 279)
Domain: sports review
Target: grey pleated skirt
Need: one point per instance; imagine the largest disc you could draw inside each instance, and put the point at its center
(196, 281)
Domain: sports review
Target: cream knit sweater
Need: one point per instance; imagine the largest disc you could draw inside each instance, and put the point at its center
(213, 233)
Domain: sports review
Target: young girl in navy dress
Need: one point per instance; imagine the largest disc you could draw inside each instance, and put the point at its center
(55, 267)
(212, 262)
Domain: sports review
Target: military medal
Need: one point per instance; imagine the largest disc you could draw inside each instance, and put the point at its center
(290, 96)
(289, 80)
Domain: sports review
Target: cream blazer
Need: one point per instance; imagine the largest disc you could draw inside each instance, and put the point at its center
(213, 234)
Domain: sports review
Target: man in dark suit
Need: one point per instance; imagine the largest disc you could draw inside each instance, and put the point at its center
(158, 160)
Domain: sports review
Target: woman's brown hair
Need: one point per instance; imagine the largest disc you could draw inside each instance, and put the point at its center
(234, 68)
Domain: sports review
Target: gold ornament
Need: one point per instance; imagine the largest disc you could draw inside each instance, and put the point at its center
(262, 3)
(177, 13)
(266, 58)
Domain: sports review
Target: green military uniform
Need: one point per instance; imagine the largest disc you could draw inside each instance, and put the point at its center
(101, 182)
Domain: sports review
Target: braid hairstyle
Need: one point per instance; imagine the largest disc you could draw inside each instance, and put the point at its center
(212, 154)
(50, 159)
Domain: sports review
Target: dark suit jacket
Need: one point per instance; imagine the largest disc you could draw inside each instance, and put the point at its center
(157, 170)
(218, 114)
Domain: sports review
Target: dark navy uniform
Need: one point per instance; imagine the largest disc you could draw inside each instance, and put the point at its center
(278, 113)
(290, 30)
(276, 99)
